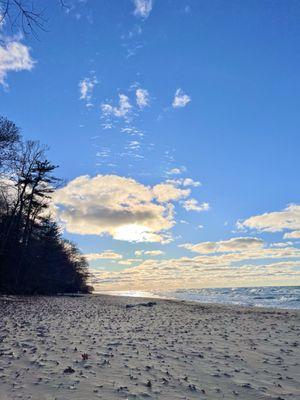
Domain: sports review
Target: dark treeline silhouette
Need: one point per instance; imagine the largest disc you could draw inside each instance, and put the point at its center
(34, 258)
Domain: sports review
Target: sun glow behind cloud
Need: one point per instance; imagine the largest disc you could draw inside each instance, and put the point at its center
(135, 233)
(120, 207)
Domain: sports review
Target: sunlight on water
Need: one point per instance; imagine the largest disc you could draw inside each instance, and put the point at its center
(287, 297)
(273, 296)
(129, 293)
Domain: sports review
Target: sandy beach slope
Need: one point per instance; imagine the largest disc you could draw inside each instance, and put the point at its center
(168, 350)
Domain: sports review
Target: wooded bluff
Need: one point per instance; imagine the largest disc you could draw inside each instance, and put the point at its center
(34, 257)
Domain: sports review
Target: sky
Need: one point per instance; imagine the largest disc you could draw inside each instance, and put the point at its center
(176, 126)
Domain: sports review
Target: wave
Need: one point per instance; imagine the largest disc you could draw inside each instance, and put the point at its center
(287, 297)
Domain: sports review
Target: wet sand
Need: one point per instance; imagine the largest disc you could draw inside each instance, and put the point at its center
(105, 347)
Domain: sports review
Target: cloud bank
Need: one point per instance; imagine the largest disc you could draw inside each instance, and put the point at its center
(242, 262)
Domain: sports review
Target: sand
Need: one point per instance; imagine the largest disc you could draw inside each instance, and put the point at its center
(105, 347)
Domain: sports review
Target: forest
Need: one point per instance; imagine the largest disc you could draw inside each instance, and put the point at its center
(34, 256)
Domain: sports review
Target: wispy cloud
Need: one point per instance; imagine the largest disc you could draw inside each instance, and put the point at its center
(185, 182)
(181, 99)
(134, 145)
(142, 98)
(86, 87)
(14, 56)
(151, 253)
(174, 171)
(127, 112)
(121, 111)
(143, 8)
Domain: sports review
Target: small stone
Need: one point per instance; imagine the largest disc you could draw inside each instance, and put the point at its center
(69, 370)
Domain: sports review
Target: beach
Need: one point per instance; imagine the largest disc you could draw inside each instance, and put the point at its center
(109, 347)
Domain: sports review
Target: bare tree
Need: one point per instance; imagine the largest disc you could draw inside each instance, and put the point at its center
(24, 15)
(9, 138)
(9, 143)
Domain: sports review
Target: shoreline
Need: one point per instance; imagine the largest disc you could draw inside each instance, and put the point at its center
(279, 297)
(157, 298)
(202, 304)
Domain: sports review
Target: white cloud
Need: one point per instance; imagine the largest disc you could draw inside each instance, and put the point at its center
(281, 244)
(165, 192)
(86, 87)
(292, 235)
(14, 56)
(109, 204)
(177, 170)
(181, 99)
(143, 8)
(124, 113)
(190, 182)
(105, 255)
(134, 145)
(174, 171)
(121, 207)
(193, 205)
(151, 253)
(224, 246)
(142, 97)
(277, 221)
(184, 182)
(121, 111)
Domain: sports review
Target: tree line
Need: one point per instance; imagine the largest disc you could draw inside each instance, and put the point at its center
(34, 257)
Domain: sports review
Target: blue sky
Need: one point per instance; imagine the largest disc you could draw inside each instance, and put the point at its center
(176, 126)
